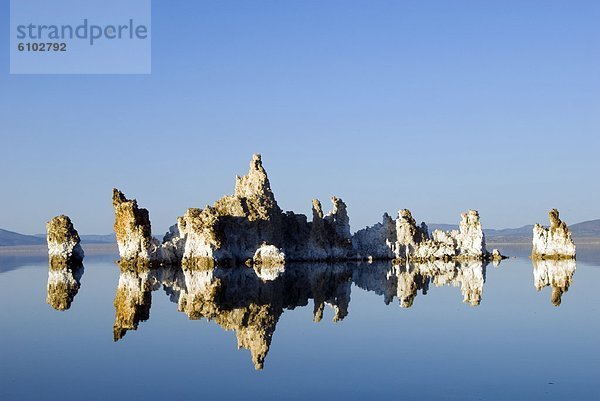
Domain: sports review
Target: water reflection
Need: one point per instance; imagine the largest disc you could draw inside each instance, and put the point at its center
(404, 281)
(63, 285)
(251, 301)
(557, 274)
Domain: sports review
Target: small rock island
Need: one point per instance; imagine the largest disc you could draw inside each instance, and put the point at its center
(64, 248)
(553, 242)
(65, 262)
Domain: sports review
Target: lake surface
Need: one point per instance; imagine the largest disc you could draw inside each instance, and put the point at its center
(312, 331)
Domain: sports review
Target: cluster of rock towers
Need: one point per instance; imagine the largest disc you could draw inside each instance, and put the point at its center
(249, 227)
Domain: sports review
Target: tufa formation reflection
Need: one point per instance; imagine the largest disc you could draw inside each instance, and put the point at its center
(63, 285)
(250, 301)
(557, 274)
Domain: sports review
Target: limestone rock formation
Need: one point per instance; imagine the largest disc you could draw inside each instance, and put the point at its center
(269, 255)
(249, 227)
(236, 227)
(64, 246)
(496, 255)
(557, 274)
(330, 236)
(405, 240)
(553, 242)
(132, 228)
(376, 242)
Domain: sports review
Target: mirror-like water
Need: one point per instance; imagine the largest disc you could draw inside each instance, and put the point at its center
(520, 330)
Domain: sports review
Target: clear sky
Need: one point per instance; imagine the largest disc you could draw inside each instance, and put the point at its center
(435, 106)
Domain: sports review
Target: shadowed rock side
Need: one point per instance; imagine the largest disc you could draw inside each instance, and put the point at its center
(64, 248)
(63, 285)
(557, 274)
(249, 227)
(553, 242)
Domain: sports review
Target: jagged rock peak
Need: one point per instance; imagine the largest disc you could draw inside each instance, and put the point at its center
(554, 242)
(555, 221)
(256, 183)
(132, 228)
(317, 210)
(63, 242)
(407, 230)
(339, 218)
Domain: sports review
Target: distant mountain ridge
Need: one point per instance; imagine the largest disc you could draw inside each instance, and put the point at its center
(11, 238)
(584, 230)
(90, 238)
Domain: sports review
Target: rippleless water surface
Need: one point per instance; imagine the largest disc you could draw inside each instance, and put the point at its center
(517, 331)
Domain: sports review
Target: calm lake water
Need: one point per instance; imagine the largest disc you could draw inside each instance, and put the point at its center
(344, 331)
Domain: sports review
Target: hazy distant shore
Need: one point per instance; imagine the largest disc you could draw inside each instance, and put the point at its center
(89, 249)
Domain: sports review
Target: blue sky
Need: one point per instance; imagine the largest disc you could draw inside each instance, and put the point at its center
(435, 106)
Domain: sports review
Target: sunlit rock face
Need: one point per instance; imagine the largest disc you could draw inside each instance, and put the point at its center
(235, 227)
(64, 246)
(470, 238)
(553, 242)
(496, 257)
(557, 274)
(269, 255)
(63, 285)
(133, 229)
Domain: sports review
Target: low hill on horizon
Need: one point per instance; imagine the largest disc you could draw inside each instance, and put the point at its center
(10, 238)
(584, 230)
